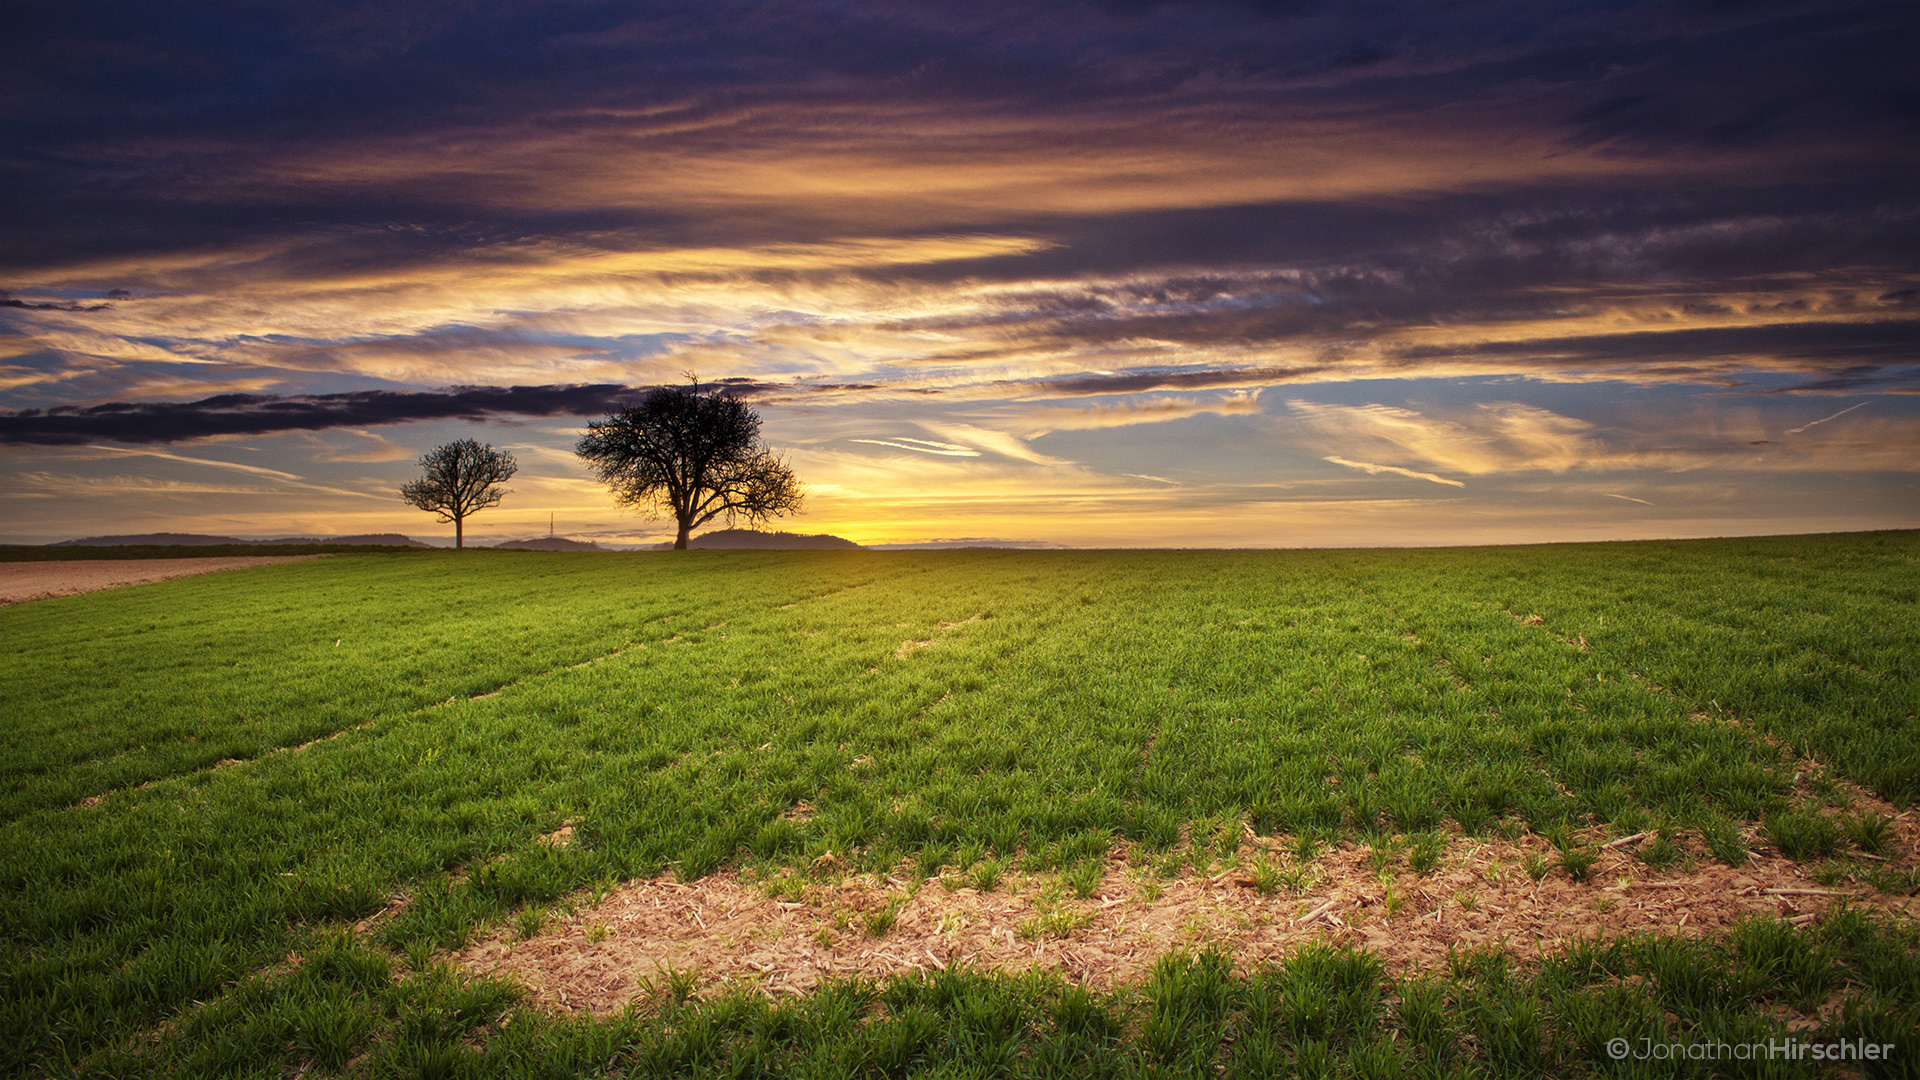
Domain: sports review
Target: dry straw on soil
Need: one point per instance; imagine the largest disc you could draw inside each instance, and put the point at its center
(727, 930)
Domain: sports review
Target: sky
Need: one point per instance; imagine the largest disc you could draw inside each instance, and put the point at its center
(1233, 274)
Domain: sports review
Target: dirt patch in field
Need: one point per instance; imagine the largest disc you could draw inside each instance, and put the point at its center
(727, 930)
(908, 647)
(24, 581)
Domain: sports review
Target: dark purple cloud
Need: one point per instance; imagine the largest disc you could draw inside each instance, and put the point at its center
(259, 414)
(1136, 382)
(1866, 351)
(7, 300)
(129, 125)
(141, 129)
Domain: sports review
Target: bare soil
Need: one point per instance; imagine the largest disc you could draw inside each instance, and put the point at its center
(597, 957)
(24, 581)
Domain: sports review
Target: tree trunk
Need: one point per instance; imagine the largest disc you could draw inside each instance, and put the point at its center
(680, 542)
(459, 533)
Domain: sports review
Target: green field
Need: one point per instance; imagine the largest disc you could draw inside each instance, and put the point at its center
(163, 855)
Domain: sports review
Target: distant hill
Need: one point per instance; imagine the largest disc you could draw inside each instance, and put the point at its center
(156, 539)
(550, 543)
(972, 543)
(357, 540)
(739, 539)
(202, 540)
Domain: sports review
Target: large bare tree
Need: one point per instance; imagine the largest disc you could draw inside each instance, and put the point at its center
(458, 480)
(693, 455)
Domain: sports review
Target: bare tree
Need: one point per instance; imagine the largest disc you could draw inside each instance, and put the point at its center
(694, 455)
(460, 479)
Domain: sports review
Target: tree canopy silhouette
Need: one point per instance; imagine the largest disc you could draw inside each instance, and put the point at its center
(694, 455)
(460, 479)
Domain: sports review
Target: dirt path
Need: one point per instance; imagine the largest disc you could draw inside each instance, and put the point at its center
(23, 581)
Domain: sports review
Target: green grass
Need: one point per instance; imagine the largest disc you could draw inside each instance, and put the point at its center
(1023, 709)
(1320, 1010)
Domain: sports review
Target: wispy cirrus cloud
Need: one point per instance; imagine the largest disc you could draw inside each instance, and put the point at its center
(284, 478)
(41, 484)
(922, 446)
(1005, 444)
(212, 463)
(1510, 439)
(1372, 469)
(1032, 423)
(1497, 437)
(1824, 419)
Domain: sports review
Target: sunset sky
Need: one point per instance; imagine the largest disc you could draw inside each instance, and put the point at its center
(1106, 274)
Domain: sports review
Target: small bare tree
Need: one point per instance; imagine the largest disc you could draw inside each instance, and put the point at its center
(460, 479)
(694, 455)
